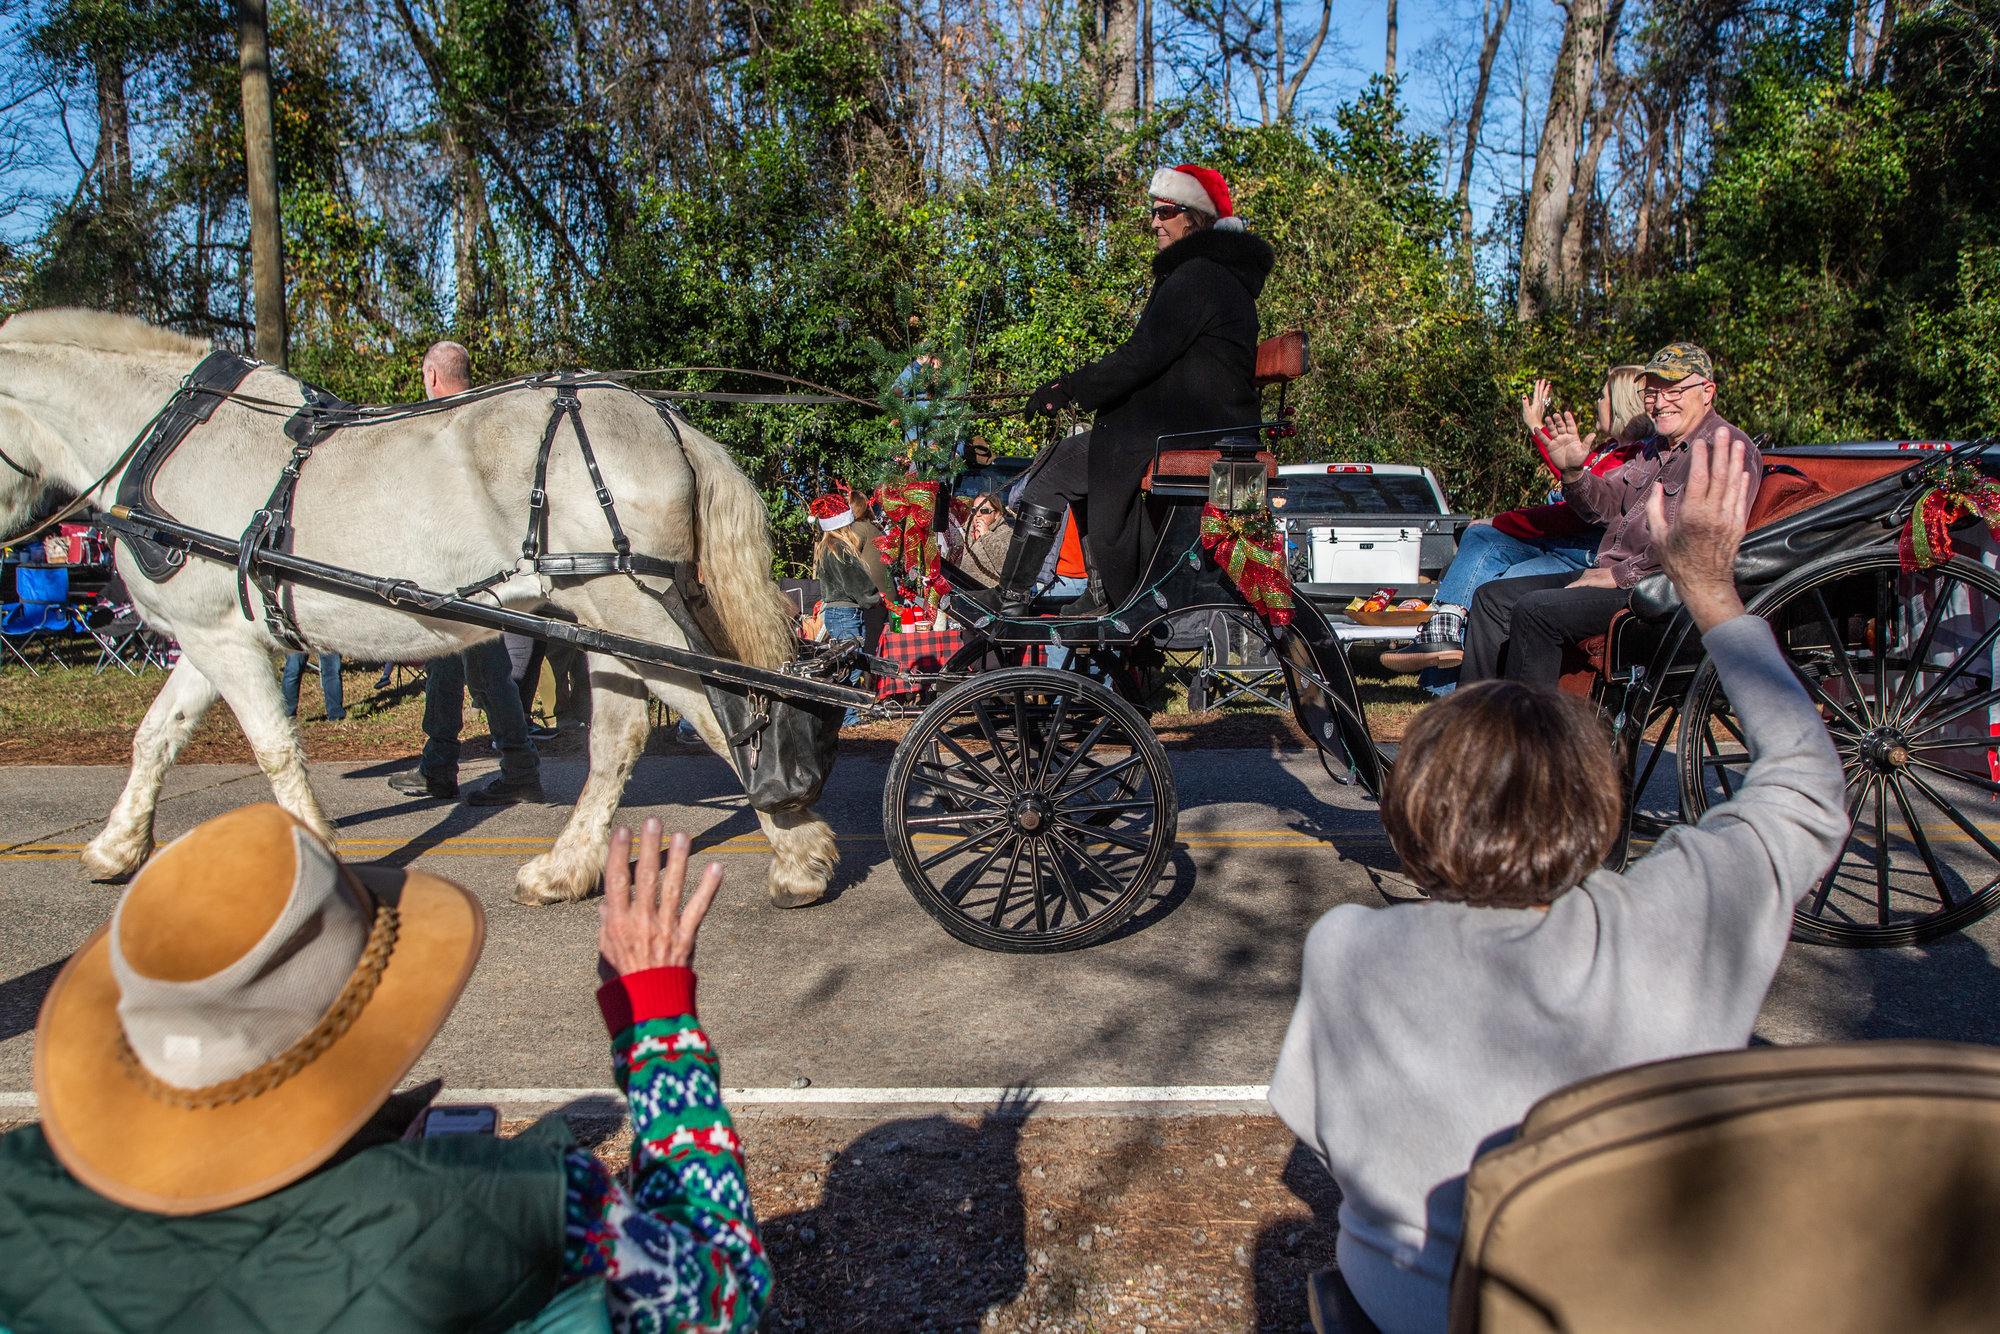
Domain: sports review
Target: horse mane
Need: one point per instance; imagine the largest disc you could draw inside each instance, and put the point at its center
(97, 330)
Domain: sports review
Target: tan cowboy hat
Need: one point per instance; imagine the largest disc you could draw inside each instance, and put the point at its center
(248, 1007)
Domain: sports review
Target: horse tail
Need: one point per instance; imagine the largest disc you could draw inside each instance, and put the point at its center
(733, 547)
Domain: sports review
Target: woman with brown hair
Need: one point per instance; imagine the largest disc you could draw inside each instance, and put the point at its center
(1425, 1031)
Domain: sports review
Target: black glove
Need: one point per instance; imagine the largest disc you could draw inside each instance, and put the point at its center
(1047, 401)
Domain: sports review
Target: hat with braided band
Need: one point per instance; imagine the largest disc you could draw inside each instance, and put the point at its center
(250, 1005)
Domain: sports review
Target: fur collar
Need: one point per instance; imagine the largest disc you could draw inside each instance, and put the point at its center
(1249, 258)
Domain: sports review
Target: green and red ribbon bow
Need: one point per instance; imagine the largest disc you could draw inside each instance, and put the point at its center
(1959, 489)
(1250, 552)
(908, 544)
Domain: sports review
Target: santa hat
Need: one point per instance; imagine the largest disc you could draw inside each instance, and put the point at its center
(1198, 188)
(832, 511)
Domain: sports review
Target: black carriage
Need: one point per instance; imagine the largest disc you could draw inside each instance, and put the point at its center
(1033, 810)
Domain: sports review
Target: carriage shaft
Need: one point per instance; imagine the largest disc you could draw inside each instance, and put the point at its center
(402, 593)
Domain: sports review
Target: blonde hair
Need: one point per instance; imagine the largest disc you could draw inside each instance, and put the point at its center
(1624, 385)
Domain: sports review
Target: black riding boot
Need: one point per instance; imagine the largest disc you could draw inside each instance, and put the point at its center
(1034, 535)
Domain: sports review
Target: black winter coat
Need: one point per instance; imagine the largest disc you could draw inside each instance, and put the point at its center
(1187, 367)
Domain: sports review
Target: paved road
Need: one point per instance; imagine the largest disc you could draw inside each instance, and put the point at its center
(864, 990)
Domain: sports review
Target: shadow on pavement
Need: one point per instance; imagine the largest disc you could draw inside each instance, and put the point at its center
(920, 1228)
(21, 998)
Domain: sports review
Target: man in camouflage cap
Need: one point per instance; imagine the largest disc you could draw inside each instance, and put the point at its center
(1516, 628)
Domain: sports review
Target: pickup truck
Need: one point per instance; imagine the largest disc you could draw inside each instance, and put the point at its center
(1353, 528)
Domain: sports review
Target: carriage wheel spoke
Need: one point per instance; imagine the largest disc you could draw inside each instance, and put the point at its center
(1067, 886)
(1881, 641)
(1965, 659)
(1940, 599)
(1055, 739)
(1721, 776)
(925, 821)
(978, 836)
(1822, 698)
(1833, 871)
(1035, 883)
(1102, 775)
(1097, 833)
(1083, 748)
(1881, 852)
(1024, 740)
(1099, 807)
(1972, 831)
(1006, 885)
(946, 785)
(1088, 863)
(1923, 843)
(993, 740)
(1981, 699)
(1841, 655)
(1971, 780)
(1000, 780)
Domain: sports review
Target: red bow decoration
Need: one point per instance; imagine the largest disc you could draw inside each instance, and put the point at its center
(908, 544)
(1251, 553)
(1960, 489)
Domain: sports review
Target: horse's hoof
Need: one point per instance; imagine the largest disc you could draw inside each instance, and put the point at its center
(537, 887)
(112, 863)
(536, 898)
(788, 899)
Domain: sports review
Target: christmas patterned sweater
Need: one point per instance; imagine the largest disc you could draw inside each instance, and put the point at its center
(674, 1237)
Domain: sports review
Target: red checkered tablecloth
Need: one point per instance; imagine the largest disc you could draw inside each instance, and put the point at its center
(916, 651)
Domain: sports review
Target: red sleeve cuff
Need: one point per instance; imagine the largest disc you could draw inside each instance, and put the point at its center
(652, 993)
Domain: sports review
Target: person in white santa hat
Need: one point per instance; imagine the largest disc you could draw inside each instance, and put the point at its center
(1187, 367)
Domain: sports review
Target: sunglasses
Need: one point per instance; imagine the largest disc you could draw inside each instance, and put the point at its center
(1166, 212)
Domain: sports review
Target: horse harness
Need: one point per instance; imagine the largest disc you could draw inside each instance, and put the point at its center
(316, 419)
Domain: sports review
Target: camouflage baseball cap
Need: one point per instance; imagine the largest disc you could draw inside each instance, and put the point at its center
(1677, 361)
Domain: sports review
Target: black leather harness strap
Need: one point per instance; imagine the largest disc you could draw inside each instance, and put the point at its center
(580, 564)
(204, 389)
(15, 466)
(319, 416)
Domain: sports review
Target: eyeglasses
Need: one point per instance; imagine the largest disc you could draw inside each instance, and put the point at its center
(1167, 212)
(1672, 395)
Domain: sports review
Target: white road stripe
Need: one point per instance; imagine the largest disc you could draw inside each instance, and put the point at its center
(746, 1097)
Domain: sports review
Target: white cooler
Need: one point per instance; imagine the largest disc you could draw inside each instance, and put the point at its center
(1366, 555)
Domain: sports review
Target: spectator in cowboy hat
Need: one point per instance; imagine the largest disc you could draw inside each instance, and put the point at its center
(215, 1153)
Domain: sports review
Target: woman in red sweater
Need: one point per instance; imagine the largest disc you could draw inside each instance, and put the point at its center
(1541, 539)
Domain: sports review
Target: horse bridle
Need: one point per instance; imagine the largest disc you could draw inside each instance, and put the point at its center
(15, 466)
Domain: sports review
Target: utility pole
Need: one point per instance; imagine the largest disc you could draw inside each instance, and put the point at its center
(260, 157)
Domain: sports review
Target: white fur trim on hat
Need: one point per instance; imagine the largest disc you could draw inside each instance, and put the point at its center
(1177, 187)
(837, 521)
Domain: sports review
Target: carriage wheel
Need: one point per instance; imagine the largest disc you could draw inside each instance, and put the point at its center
(1030, 811)
(1916, 726)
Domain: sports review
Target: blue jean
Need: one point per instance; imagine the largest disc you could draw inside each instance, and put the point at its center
(1485, 554)
(1064, 586)
(487, 669)
(845, 622)
(329, 684)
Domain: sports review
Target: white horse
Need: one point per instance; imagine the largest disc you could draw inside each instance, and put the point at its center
(440, 499)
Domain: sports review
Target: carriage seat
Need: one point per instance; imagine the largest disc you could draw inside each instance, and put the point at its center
(1285, 357)
(1791, 483)
(1189, 467)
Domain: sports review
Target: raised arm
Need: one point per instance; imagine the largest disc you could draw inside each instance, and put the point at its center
(1755, 855)
(675, 1239)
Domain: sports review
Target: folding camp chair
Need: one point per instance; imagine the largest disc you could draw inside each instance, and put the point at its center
(40, 609)
(1238, 662)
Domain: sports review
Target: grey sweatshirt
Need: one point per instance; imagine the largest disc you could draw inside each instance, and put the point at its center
(1426, 1030)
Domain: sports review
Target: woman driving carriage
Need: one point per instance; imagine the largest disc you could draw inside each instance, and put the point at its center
(1187, 367)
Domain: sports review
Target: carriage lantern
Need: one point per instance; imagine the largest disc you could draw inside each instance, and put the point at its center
(1237, 481)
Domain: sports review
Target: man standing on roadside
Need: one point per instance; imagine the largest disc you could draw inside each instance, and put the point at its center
(485, 667)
